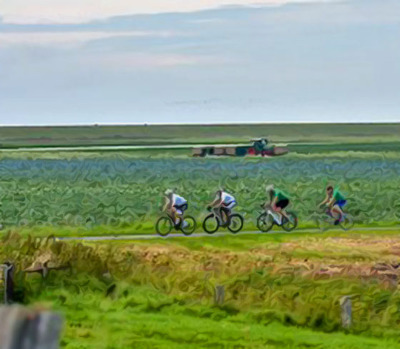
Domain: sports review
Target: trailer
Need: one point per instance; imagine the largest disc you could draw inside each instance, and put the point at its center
(259, 147)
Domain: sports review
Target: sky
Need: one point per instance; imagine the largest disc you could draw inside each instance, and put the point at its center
(203, 61)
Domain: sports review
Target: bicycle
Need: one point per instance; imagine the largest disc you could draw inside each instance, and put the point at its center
(212, 222)
(267, 219)
(325, 220)
(166, 223)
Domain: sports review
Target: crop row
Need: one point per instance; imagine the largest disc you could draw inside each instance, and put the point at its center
(125, 192)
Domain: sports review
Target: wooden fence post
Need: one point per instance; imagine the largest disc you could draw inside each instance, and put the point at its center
(22, 328)
(219, 295)
(8, 276)
(345, 304)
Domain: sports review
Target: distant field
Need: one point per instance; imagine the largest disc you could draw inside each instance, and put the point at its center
(180, 134)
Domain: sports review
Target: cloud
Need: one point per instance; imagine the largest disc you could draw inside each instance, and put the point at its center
(314, 61)
(133, 61)
(67, 39)
(77, 11)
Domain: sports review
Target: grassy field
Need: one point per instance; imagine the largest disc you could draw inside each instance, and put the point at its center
(192, 134)
(281, 291)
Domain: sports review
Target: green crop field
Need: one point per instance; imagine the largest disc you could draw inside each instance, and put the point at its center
(124, 191)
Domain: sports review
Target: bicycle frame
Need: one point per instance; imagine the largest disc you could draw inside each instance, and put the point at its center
(271, 212)
(173, 221)
(329, 214)
(217, 210)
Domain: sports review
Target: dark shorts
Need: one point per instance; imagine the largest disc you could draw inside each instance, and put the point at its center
(282, 203)
(340, 203)
(181, 207)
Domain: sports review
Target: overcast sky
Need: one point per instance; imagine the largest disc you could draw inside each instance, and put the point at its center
(91, 61)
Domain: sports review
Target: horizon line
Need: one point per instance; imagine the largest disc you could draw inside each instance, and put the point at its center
(202, 124)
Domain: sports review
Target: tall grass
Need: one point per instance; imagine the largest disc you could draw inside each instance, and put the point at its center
(290, 283)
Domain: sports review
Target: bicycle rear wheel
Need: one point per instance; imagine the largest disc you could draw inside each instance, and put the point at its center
(291, 224)
(211, 224)
(265, 222)
(191, 225)
(164, 226)
(235, 223)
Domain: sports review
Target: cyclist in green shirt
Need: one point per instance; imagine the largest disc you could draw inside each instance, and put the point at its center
(335, 202)
(278, 200)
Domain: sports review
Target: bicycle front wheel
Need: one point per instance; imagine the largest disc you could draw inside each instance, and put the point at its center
(235, 223)
(190, 227)
(265, 222)
(164, 226)
(211, 224)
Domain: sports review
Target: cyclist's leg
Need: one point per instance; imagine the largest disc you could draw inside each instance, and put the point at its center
(217, 211)
(181, 211)
(175, 213)
(228, 208)
(337, 213)
(224, 211)
(280, 208)
(341, 205)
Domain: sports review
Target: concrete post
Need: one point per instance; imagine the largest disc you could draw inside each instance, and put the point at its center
(345, 304)
(219, 295)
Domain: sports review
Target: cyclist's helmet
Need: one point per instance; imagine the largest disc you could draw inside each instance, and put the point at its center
(269, 188)
(220, 190)
(168, 192)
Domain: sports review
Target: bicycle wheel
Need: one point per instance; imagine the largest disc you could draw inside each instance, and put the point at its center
(235, 223)
(211, 224)
(347, 223)
(265, 222)
(323, 223)
(191, 225)
(291, 224)
(164, 226)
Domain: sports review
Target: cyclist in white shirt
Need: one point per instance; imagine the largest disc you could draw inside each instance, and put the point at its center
(175, 206)
(225, 202)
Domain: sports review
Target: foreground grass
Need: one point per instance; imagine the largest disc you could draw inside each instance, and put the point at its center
(281, 291)
(140, 318)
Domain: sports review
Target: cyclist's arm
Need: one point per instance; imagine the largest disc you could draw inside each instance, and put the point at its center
(216, 202)
(167, 204)
(325, 201)
(273, 203)
(331, 202)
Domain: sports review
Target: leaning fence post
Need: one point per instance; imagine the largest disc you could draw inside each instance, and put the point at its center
(8, 282)
(345, 305)
(219, 294)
